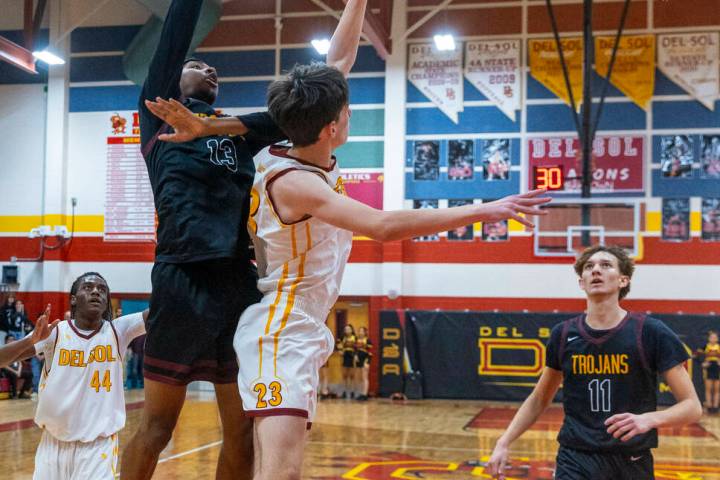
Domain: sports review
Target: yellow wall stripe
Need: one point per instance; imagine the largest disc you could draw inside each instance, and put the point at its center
(653, 221)
(24, 223)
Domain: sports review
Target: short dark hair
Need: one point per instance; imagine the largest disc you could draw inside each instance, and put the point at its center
(307, 100)
(193, 59)
(107, 314)
(625, 263)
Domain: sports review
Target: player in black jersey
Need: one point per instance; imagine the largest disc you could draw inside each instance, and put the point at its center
(202, 279)
(608, 361)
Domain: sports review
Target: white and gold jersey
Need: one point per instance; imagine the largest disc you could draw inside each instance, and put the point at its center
(304, 260)
(81, 395)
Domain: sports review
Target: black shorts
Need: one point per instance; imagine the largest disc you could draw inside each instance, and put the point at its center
(194, 311)
(348, 359)
(582, 465)
(713, 371)
(363, 358)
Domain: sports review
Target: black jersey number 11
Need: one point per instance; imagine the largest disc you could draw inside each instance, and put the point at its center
(599, 395)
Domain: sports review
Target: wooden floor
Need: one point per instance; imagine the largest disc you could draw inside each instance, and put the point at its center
(377, 440)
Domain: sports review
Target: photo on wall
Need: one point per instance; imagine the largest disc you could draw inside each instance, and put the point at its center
(710, 156)
(711, 219)
(464, 233)
(418, 204)
(495, 231)
(676, 219)
(496, 159)
(426, 160)
(461, 159)
(676, 156)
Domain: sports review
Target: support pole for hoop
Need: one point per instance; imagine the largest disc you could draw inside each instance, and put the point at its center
(587, 128)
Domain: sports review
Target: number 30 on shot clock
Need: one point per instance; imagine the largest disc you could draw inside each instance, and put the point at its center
(549, 177)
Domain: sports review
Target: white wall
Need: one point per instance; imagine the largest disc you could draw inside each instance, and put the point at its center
(22, 147)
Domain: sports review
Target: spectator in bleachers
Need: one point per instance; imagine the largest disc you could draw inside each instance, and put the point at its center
(20, 375)
(67, 316)
(18, 322)
(5, 311)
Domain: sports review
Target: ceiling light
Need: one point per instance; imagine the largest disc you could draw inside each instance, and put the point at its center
(321, 45)
(48, 57)
(444, 42)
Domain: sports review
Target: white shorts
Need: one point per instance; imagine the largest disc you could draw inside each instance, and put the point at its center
(280, 353)
(57, 460)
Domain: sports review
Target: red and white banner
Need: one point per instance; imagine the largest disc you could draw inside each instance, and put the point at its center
(617, 162)
(691, 61)
(493, 67)
(438, 75)
(129, 206)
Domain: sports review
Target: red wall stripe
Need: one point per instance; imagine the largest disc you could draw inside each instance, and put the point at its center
(517, 250)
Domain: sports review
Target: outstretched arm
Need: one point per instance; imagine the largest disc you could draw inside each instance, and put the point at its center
(300, 193)
(25, 348)
(526, 416)
(345, 40)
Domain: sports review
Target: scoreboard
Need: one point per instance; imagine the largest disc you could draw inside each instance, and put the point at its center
(555, 164)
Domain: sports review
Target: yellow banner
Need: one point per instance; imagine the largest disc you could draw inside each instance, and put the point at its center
(546, 68)
(634, 69)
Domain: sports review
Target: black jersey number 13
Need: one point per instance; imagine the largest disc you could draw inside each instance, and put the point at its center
(223, 153)
(599, 395)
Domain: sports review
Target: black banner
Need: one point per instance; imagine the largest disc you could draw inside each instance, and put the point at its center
(497, 356)
(392, 345)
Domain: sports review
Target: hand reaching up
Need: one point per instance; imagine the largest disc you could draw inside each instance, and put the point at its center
(42, 329)
(186, 125)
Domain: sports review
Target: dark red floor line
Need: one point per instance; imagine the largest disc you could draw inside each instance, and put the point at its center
(30, 423)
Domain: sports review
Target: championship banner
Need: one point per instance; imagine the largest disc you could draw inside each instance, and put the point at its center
(546, 68)
(634, 69)
(493, 67)
(617, 164)
(438, 75)
(365, 187)
(500, 356)
(691, 61)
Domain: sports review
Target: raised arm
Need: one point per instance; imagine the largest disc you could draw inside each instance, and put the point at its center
(25, 347)
(301, 193)
(526, 416)
(163, 79)
(345, 40)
